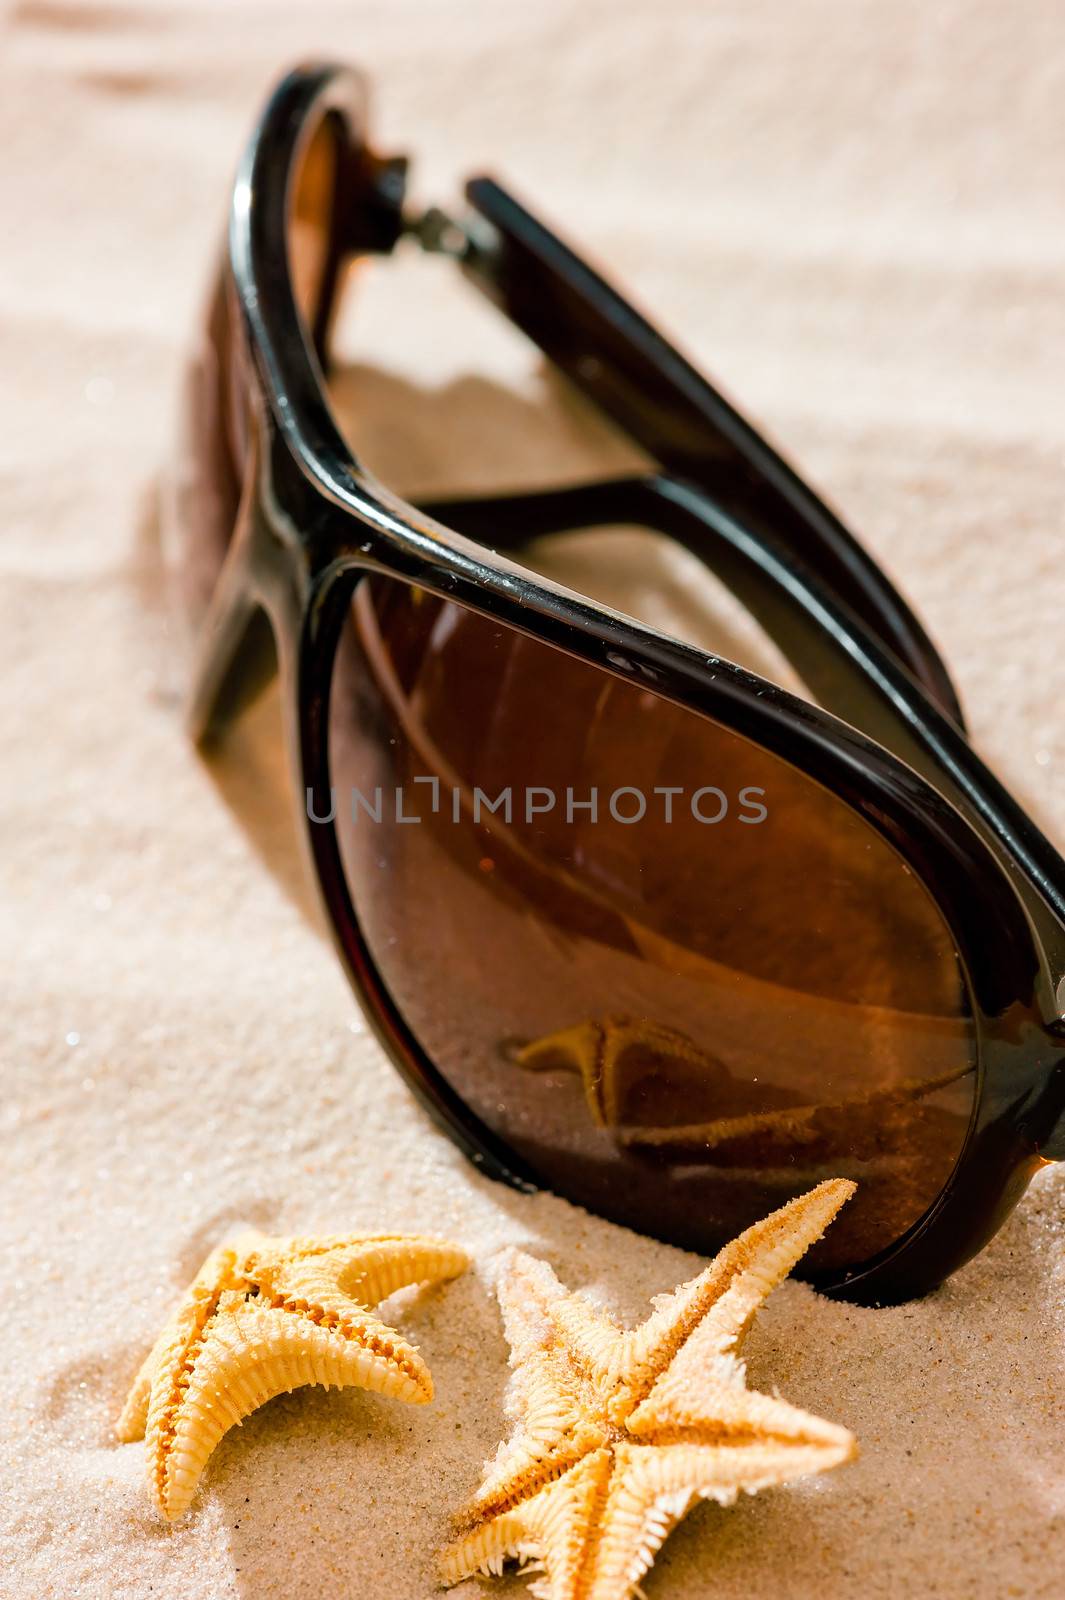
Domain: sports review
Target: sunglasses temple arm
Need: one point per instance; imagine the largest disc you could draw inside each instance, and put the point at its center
(686, 515)
(817, 636)
(615, 357)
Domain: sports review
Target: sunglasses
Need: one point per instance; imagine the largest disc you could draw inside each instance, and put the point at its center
(636, 925)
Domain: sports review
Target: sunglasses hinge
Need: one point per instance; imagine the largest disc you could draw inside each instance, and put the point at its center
(439, 233)
(375, 187)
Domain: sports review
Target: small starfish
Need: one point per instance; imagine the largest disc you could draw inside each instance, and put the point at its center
(621, 1432)
(264, 1316)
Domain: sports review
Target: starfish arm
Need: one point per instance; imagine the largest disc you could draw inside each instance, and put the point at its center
(134, 1414)
(527, 1291)
(247, 1356)
(532, 1459)
(710, 1404)
(540, 1316)
(770, 1251)
(488, 1547)
(349, 1271)
(544, 1398)
(792, 1126)
(607, 1052)
(653, 1486)
(554, 1528)
(634, 1039)
(183, 1326)
(745, 1271)
(577, 1049)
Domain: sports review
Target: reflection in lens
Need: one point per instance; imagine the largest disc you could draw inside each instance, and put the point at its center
(680, 979)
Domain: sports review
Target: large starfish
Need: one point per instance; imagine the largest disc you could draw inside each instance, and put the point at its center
(264, 1316)
(620, 1432)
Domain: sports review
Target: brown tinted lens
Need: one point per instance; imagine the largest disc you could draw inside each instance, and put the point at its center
(204, 488)
(680, 979)
(202, 491)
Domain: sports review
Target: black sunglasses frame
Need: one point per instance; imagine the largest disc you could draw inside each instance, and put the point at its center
(312, 523)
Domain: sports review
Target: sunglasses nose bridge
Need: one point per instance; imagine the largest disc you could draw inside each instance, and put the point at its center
(253, 623)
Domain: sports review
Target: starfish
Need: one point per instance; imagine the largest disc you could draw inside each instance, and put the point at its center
(605, 1054)
(264, 1316)
(621, 1432)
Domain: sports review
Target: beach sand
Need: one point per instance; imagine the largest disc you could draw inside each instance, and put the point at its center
(851, 214)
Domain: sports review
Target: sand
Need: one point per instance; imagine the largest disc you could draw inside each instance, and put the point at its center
(852, 214)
